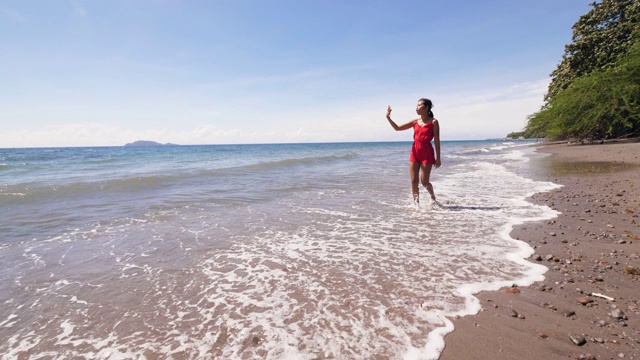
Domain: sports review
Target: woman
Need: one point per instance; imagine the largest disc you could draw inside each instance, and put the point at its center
(422, 156)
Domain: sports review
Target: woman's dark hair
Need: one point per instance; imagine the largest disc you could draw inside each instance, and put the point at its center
(428, 104)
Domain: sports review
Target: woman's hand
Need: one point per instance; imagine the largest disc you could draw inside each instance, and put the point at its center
(438, 163)
(395, 126)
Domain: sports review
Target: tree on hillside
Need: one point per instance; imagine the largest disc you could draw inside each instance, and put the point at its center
(600, 37)
(604, 103)
(595, 91)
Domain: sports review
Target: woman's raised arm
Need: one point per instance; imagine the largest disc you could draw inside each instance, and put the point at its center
(395, 126)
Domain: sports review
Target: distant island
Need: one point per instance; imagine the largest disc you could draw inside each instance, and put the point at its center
(148, 143)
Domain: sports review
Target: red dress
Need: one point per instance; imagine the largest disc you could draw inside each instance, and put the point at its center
(422, 151)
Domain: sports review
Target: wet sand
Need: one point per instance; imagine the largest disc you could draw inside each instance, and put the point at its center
(592, 247)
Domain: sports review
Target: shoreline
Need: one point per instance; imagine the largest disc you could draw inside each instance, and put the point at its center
(592, 247)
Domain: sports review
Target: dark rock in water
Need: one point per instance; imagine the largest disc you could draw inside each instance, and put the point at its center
(514, 313)
(577, 339)
(148, 143)
(568, 313)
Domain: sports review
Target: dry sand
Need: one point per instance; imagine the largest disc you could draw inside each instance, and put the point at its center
(593, 246)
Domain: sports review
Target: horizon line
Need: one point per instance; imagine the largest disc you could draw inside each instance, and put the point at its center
(249, 144)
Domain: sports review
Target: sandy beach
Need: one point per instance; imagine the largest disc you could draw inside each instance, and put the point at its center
(588, 305)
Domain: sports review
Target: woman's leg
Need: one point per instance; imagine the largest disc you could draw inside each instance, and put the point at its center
(426, 173)
(414, 173)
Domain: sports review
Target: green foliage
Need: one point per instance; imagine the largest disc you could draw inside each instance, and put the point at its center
(605, 103)
(600, 37)
(595, 92)
(515, 135)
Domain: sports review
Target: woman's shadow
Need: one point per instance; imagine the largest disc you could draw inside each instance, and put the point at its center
(465, 207)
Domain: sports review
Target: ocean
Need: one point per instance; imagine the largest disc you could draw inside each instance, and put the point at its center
(283, 251)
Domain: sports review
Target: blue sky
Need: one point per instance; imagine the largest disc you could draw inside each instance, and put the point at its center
(85, 73)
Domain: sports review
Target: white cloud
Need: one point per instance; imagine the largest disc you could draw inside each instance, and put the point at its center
(491, 113)
(106, 135)
(478, 114)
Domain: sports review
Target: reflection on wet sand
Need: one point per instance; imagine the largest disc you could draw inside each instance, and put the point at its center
(544, 167)
(557, 168)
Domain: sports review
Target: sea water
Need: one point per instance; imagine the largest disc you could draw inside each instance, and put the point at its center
(287, 251)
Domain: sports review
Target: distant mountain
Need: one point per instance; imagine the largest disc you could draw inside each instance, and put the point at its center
(148, 143)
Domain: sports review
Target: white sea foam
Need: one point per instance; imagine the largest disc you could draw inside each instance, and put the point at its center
(342, 267)
(7, 323)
